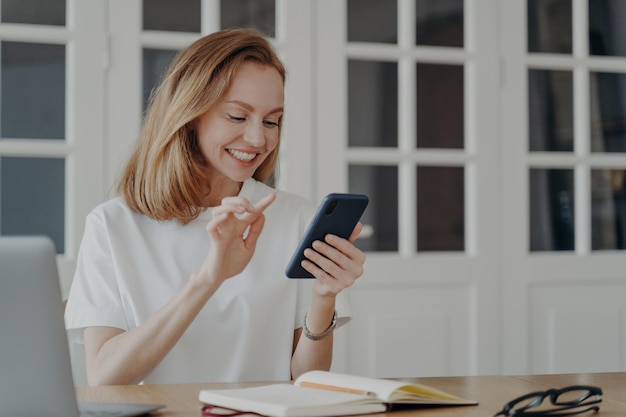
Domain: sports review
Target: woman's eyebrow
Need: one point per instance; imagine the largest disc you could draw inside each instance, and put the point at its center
(251, 108)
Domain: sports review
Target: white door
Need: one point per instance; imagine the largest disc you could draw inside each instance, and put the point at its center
(51, 120)
(563, 169)
(501, 251)
(407, 93)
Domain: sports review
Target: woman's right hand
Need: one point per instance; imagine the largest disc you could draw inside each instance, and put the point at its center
(234, 230)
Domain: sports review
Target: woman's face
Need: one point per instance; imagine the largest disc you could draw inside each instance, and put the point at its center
(238, 134)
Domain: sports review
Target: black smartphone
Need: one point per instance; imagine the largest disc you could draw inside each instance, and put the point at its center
(337, 214)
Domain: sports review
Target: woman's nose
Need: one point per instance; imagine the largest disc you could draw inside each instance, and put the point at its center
(255, 134)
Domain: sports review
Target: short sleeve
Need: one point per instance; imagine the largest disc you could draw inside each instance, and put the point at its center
(94, 298)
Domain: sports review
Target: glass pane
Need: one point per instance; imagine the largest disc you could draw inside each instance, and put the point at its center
(550, 111)
(155, 63)
(258, 14)
(373, 21)
(372, 103)
(606, 27)
(32, 198)
(440, 209)
(551, 209)
(380, 220)
(608, 209)
(172, 15)
(34, 12)
(33, 91)
(550, 26)
(608, 112)
(439, 23)
(440, 109)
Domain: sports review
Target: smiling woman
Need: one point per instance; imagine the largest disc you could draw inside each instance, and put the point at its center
(236, 136)
(195, 88)
(178, 277)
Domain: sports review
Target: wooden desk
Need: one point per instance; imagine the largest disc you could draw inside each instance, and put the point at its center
(492, 392)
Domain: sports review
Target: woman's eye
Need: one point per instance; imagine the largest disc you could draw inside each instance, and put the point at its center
(236, 118)
(270, 123)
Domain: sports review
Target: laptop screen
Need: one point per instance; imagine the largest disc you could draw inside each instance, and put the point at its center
(35, 369)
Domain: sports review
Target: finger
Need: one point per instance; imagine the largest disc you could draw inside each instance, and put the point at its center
(227, 209)
(339, 259)
(330, 283)
(233, 205)
(241, 205)
(255, 231)
(356, 232)
(335, 263)
(321, 261)
(216, 224)
(238, 201)
(314, 269)
(258, 209)
(344, 246)
(257, 219)
(265, 202)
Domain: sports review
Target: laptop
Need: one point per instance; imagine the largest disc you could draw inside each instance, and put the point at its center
(35, 368)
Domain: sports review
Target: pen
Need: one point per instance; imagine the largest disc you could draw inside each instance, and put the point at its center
(335, 388)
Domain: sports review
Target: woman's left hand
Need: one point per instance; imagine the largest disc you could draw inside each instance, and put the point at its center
(335, 263)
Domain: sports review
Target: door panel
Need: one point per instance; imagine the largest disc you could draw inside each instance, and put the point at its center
(408, 330)
(564, 289)
(420, 141)
(577, 327)
(51, 127)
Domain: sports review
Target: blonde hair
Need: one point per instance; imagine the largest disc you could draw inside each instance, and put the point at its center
(165, 177)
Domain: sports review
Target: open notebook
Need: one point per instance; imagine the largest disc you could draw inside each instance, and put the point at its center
(35, 369)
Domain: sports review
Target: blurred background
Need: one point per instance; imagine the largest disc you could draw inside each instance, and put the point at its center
(489, 135)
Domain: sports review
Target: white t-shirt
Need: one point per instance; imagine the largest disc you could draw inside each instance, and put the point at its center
(130, 265)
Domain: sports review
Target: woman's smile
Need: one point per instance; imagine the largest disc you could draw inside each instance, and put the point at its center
(242, 155)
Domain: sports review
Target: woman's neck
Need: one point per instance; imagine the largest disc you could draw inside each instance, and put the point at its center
(221, 189)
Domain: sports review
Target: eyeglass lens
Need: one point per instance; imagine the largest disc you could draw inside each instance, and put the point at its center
(573, 398)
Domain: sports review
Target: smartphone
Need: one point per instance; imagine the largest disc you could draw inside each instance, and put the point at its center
(337, 214)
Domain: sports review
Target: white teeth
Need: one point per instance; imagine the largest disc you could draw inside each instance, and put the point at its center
(242, 156)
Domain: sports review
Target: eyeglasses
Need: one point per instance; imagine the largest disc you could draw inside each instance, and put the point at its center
(568, 401)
